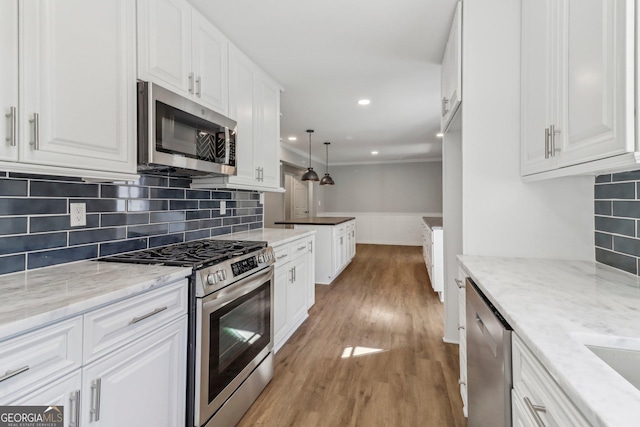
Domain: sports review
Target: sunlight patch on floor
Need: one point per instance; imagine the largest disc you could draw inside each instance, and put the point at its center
(359, 351)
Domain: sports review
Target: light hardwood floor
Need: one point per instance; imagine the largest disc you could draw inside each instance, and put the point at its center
(370, 353)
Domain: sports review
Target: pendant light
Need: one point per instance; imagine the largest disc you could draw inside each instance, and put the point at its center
(326, 179)
(310, 174)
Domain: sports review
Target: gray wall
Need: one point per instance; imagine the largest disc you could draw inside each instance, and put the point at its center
(395, 187)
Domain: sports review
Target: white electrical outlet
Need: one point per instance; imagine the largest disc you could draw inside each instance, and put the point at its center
(223, 207)
(262, 198)
(78, 214)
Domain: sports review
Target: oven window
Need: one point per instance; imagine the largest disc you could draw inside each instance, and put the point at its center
(239, 331)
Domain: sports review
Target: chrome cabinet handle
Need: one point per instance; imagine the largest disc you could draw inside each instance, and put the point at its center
(311, 246)
(14, 126)
(535, 410)
(144, 316)
(281, 256)
(301, 248)
(547, 143)
(295, 273)
(291, 275)
(36, 131)
(460, 382)
(198, 87)
(552, 134)
(191, 83)
(74, 409)
(460, 327)
(445, 101)
(11, 374)
(460, 283)
(96, 389)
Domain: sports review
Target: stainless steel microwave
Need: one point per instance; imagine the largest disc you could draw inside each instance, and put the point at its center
(176, 134)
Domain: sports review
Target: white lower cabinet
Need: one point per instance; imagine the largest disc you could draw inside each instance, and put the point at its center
(462, 329)
(136, 377)
(292, 287)
(433, 254)
(64, 393)
(141, 384)
(536, 398)
(335, 247)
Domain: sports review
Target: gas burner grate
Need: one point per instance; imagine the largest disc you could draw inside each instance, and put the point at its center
(189, 254)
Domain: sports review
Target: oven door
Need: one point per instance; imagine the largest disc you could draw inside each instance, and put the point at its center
(235, 335)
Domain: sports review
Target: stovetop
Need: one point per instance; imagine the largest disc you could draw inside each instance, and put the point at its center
(196, 254)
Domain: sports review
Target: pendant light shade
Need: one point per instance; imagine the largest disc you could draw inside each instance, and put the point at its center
(310, 174)
(326, 179)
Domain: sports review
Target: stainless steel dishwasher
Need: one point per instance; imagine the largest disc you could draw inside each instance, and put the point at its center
(488, 362)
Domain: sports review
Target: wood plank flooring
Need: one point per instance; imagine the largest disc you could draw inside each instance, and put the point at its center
(370, 353)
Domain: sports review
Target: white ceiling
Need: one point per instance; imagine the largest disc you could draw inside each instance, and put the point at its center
(329, 54)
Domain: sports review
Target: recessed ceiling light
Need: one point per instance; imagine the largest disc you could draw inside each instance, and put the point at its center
(439, 134)
(374, 152)
(292, 138)
(364, 102)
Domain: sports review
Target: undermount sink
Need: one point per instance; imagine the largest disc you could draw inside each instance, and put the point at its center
(626, 362)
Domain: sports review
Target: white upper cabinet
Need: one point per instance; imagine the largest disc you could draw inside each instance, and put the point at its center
(267, 145)
(67, 88)
(78, 86)
(9, 80)
(537, 85)
(181, 51)
(577, 75)
(451, 71)
(254, 103)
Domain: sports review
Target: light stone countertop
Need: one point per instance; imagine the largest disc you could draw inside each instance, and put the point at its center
(557, 306)
(274, 236)
(34, 298)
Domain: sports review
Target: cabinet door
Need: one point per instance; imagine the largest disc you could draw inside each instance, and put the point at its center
(267, 148)
(281, 279)
(311, 273)
(599, 80)
(297, 290)
(451, 73)
(141, 385)
(242, 109)
(210, 61)
(538, 77)
(63, 393)
(78, 84)
(8, 80)
(164, 44)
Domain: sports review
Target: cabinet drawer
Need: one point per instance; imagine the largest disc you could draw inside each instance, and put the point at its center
(351, 225)
(532, 381)
(282, 253)
(339, 229)
(117, 324)
(299, 247)
(40, 356)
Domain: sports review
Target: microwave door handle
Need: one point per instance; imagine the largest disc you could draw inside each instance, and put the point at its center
(227, 144)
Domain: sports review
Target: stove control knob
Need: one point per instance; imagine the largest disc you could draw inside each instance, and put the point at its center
(261, 258)
(212, 279)
(222, 275)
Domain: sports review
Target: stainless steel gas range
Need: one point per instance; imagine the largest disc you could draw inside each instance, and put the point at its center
(230, 358)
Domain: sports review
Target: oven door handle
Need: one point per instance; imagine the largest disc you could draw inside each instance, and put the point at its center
(230, 293)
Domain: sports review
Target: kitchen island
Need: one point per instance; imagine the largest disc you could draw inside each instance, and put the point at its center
(335, 241)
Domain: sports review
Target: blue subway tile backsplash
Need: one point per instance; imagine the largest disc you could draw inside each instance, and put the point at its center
(617, 220)
(153, 211)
